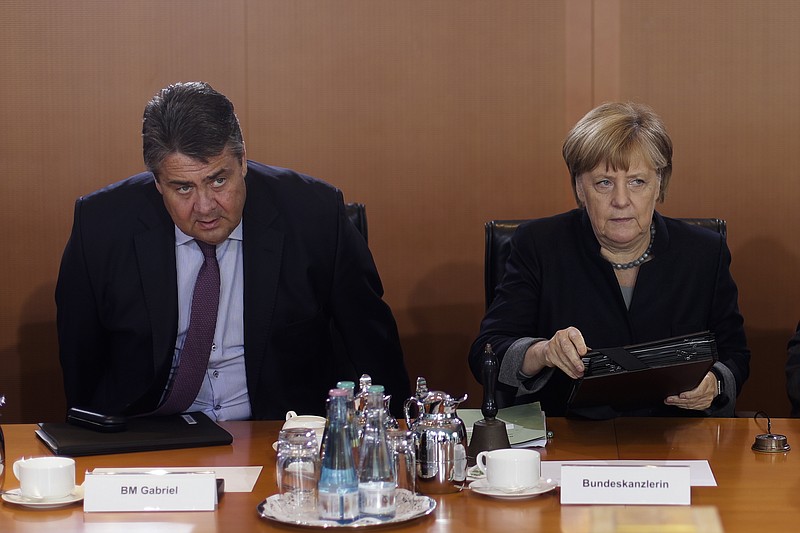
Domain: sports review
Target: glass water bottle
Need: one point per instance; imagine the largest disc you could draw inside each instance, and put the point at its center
(337, 493)
(349, 386)
(377, 482)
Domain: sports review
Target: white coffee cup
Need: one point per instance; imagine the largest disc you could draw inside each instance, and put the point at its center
(47, 478)
(511, 468)
(317, 423)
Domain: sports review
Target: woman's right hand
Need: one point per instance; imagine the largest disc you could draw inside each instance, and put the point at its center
(563, 351)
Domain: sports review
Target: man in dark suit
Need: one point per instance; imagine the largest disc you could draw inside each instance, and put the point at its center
(290, 271)
(793, 372)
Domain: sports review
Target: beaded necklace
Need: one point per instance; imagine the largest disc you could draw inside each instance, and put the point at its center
(642, 258)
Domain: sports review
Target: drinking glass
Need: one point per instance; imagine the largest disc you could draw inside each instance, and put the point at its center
(401, 444)
(298, 470)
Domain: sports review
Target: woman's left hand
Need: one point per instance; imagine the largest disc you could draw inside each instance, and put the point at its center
(698, 398)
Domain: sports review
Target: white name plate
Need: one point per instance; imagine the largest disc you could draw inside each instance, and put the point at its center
(625, 485)
(157, 490)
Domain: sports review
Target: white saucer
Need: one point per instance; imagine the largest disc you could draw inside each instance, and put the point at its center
(482, 487)
(14, 496)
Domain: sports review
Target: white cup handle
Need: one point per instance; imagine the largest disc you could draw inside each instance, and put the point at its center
(15, 467)
(480, 461)
(290, 415)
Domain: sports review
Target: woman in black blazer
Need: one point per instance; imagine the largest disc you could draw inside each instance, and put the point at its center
(613, 272)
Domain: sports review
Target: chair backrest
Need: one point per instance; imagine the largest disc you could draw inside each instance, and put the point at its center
(498, 247)
(357, 213)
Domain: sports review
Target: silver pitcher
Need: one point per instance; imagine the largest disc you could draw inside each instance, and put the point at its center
(441, 440)
(360, 404)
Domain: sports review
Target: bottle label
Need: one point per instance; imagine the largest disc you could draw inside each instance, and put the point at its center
(338, 505)
(377, 499)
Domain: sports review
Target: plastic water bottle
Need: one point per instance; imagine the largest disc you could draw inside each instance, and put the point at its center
(377, 481)
(337, 492)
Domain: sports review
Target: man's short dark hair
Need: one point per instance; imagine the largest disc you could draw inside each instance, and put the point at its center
(191, 119)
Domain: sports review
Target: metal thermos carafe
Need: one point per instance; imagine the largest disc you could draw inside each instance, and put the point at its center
(441, 440)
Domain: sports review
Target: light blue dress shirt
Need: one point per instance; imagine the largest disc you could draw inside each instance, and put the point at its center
(223, 394)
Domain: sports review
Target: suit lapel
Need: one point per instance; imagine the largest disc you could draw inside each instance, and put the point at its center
(263, 250)
(155, 252)
(649, 287)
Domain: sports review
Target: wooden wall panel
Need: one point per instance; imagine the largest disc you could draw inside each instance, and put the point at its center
(438, 115)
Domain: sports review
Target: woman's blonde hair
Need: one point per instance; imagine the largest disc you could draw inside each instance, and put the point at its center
(614, 134)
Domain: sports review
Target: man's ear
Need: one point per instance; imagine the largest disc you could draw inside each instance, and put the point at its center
(158, 186)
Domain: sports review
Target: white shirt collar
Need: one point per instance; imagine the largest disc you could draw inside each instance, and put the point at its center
(181, 238)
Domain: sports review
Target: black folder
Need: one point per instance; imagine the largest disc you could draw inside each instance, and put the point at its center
(188, 430)
(644, 374)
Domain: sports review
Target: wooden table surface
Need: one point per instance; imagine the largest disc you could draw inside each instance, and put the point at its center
(755, 492)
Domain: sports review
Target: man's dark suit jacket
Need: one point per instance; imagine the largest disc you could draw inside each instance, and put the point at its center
(304, 265)
(793, 372)
(555, 278)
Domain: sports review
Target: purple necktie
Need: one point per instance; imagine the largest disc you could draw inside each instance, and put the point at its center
(199, 337)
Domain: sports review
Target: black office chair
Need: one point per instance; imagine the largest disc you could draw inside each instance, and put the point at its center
(498, 247)
(357, 213)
